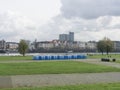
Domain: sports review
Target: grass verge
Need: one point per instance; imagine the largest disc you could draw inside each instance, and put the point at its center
(3, 58)
(109, 86)
(118, 61)
(50, 67)
(98, 56)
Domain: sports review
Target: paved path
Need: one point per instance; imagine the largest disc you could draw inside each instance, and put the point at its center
(58, 79)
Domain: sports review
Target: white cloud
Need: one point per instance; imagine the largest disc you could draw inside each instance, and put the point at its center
(39, 11)
(15, 27)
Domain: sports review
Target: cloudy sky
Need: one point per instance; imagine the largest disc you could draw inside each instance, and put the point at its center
(46, 19)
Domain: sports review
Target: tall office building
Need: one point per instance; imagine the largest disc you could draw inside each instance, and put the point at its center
(67, 37)
(63, 37)
(71, 36)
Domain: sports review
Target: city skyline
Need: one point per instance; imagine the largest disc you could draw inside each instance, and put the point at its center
(45, 20)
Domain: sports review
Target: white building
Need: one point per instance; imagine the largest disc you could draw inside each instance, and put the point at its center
(91, 45)
(46, 45)
(12, 46)
(116, 45)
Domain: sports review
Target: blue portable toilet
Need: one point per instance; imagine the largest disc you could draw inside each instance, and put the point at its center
(43, 57)
(65, 57)
(49, 57)
(72, 57)
(69, 57)
(52, 57)
(46, 57)
(58, 57)
(55, 57)
(78, 56)
(40, 58)
(84, 57)
(75, 57)
(62, 57)
(36, 57)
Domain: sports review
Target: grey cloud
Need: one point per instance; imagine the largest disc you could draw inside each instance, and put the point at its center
(84, 29)
(90, 9)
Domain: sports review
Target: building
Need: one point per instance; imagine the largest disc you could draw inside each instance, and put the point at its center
(56, 43)
(116, 46)
(64, 37)
(91, 46)
(12, 46)
(45, 45)
(67, 37)
(32, 47)
(82, 45)
(2, 45)
(71, 37)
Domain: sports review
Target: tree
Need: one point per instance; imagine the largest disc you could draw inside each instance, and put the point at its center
(105, 45)
(23, 46)
(101, 46)
(109, 45)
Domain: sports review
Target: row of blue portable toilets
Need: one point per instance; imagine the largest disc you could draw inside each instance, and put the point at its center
(59, 57)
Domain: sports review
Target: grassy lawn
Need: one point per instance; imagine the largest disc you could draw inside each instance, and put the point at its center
(50, 67)
(98, 56)
(118, 61)
(111, 56)
(2, 58)
(109, 86)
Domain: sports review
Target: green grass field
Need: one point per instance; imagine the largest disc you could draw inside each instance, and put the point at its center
(109, 86)
(2, 58)
(118, 61)
(98, 56)
(52, 67)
